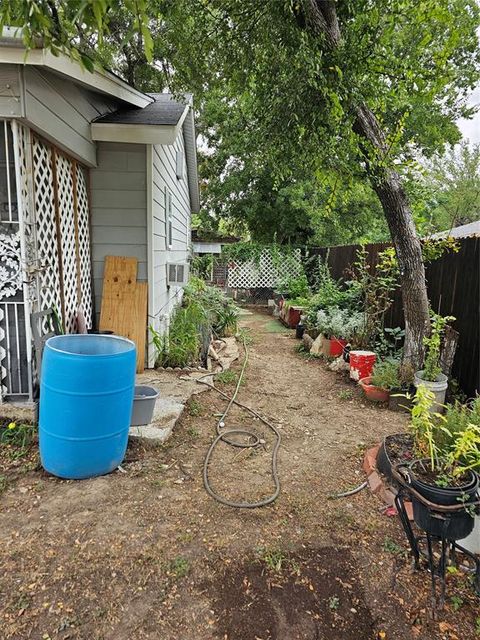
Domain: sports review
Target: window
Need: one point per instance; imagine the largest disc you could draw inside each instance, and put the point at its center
(168, 218)
(179, 162)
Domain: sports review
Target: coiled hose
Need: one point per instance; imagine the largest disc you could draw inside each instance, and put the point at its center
(222, 436)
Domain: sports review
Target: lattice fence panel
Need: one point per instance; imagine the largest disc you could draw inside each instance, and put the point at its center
(265, 272)
(67, 240)
(83, 222)
(49, 294)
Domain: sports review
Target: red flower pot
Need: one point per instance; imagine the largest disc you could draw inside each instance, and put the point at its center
(336, 347)
(373, 393)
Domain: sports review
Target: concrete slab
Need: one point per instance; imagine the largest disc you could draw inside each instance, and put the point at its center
(175, 390)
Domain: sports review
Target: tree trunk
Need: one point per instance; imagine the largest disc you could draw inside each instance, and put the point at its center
(387, 184)
(322, 19)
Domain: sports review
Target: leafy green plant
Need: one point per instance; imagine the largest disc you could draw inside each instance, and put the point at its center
(18, 437)
(274, 559)
(204, 310)
(333, 603)
(433, 343)
(451, 448)
(294, 287)
(390, 546)
(385, 374)
(456, 602)
(345, 394)
(340, 323)
(377, 284)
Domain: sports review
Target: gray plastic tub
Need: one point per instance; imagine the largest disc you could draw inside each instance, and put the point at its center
(143, 405)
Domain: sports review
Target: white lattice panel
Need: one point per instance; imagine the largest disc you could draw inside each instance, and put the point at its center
(264, 273)
(45, 228)
(83, 222)
(68, 240)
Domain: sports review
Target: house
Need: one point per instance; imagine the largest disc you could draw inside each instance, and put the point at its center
(89, 167)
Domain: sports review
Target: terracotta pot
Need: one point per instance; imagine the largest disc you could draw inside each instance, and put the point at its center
(373, 393)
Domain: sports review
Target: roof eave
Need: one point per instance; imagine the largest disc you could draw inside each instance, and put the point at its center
(191, 159)
(99, 80)
(133, 133)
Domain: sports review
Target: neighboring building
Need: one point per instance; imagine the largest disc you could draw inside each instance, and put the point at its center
(463, 231)
(89, 167)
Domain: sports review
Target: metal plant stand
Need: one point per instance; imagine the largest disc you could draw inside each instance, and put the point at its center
(422, 546)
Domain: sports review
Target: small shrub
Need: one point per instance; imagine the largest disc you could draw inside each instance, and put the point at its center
(386, 374)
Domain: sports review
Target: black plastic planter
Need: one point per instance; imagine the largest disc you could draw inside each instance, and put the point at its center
(384, 462)
(451, 526)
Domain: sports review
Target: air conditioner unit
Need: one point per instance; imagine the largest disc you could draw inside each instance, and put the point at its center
(177, 274)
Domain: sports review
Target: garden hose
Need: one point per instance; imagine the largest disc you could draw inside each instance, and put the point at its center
(351, 492)
(221, 436)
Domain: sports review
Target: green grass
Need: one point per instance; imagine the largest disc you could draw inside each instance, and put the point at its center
(390, 546)
(345, 394)
(179, 567)
(226, 377)
(274, 559)
(275, 326)
(194, 408)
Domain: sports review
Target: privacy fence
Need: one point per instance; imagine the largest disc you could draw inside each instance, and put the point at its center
(453, 288)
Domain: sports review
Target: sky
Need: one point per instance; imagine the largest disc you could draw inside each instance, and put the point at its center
(471, 128)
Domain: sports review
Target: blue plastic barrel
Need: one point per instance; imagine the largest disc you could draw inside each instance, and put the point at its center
(86, 399)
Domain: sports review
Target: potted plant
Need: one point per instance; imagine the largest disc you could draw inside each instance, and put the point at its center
(384, 377)
(431, 375)
(443, 472)
(337, 326)
(401, 396)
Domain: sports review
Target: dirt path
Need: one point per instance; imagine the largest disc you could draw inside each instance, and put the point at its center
(147, 554)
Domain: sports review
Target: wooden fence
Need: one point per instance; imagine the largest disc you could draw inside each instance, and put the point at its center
(453, 288)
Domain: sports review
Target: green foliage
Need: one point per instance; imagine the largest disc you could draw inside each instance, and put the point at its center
(204, 310)
(386, 374)
(333, 603)
(17, 438)
(226, 377)
(433, 343)
(451, 442)
(377, 284)
(294, 287)
(274, 559)
(451, 184)
(390, 546)
(179, 567)
(389, 341)
(340, 323)
(202, 266)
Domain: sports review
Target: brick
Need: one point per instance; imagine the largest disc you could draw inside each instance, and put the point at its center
(386, 495)
(375, 482)
(370, 460)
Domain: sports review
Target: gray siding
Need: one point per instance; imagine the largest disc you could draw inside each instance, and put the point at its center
(62, 111)
(164, 177)
(118, 195)
(11, 103)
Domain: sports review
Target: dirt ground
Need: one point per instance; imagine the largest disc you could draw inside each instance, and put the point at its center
(146, 553)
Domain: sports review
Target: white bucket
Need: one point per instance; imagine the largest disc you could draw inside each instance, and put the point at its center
(472, 541)
(438, 387)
